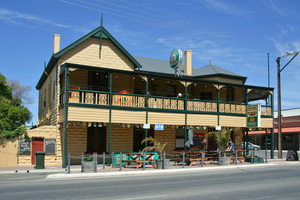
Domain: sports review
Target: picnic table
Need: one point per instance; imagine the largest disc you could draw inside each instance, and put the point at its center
(138, 158)
(214, 155)
(190, 157)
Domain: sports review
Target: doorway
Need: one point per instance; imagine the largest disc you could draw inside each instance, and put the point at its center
(37, 145)
(96, 139)
(138, 136)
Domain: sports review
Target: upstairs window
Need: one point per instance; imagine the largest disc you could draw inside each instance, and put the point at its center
(229, 93)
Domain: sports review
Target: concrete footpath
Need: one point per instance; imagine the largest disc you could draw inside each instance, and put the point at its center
(57, 172)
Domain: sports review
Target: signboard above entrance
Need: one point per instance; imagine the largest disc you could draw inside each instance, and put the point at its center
(253, 116)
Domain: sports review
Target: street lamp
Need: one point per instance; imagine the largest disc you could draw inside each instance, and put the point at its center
(294, 54)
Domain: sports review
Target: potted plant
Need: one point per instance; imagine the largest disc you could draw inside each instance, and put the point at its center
(88, 163)
(222, 139)
(159, 148)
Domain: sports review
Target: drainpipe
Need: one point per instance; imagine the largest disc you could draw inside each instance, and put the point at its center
(65, 131)
(109, 124)
(272, 130)
(185, 105)
(146, 130)
(247, 139)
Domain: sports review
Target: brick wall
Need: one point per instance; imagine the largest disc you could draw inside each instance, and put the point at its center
(121, 139)
(167, 135)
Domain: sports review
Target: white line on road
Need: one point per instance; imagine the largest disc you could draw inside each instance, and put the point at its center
(147, 197)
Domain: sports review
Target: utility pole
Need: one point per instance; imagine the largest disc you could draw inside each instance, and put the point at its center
(279, 98)
(279, 142)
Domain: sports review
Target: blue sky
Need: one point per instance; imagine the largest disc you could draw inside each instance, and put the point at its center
(235, 35)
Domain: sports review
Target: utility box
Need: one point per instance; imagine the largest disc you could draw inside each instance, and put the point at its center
(39, 160)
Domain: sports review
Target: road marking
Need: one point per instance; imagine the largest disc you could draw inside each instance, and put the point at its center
(143, 197)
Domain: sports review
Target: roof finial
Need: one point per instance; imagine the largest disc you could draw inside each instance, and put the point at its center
(102, 19)
(209, 62)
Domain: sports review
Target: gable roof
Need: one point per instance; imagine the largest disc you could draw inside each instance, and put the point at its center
(98, 32)
(163, 66)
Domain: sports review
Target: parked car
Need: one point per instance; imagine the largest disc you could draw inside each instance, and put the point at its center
(251, 146)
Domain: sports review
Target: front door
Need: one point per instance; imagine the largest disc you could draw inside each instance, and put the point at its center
(96, 139)
(138, 136)
(37, 145)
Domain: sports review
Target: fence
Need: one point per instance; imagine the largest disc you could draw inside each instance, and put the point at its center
(185, 158)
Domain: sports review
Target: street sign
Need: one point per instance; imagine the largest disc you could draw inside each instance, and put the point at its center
(253, 116)
(159, 127)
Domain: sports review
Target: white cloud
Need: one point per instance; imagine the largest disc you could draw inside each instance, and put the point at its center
(17, 18)
(224, 7)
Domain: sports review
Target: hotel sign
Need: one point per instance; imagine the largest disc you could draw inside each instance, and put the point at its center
(253, 116)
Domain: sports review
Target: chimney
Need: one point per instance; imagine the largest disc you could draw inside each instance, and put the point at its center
(188, 62)
(56, 47)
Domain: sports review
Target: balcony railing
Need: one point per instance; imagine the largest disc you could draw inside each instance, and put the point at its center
(155, 102)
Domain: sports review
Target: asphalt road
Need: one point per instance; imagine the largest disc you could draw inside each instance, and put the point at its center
(272, 182)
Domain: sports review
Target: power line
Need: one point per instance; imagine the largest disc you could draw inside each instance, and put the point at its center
(169, 18)
(180, 28)
(222, 27)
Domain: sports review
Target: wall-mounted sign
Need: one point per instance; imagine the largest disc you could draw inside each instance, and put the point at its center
(159, 127)
(176, 58)
(253, 116)
(146, 126)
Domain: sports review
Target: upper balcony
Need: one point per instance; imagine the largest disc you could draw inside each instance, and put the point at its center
(147, 92)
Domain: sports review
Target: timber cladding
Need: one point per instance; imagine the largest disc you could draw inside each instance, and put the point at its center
(232, 121)
(122, 116)
(266, 123)
(202, 120)
(166, 118)
(87, 53)
(88, 114)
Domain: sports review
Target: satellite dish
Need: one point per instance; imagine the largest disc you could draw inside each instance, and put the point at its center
(176, 58)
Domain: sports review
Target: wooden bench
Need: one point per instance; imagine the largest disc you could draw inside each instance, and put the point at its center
(139, 162)
(190, 160)
(231, 160)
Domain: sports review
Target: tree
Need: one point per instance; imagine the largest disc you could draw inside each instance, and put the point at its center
(222, 138)
(13, 114)
(20, 91)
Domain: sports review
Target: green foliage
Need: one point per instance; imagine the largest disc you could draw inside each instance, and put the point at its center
(13, 114)
(88, 158)
(222, 138)
(157, 146)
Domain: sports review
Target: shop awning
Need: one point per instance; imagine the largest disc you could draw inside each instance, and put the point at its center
(284, 130)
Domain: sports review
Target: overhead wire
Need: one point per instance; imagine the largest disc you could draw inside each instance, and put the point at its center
(222, 27)
(75, 4)
(169, 25)
(186, 22)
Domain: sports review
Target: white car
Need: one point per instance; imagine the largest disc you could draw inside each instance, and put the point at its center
(251, 146)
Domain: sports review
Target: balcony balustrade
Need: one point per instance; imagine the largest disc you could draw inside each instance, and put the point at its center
(166, 103)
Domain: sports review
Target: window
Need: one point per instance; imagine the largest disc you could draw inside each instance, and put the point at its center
(229, 93)
(45, 96)
(98, 80)
(54, 85)
(206, 96)
(171, 91)
(179, 143)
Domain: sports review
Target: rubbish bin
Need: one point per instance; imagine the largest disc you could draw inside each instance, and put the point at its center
(39, 160)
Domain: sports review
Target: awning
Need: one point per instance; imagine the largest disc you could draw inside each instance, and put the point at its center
(284, 130)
